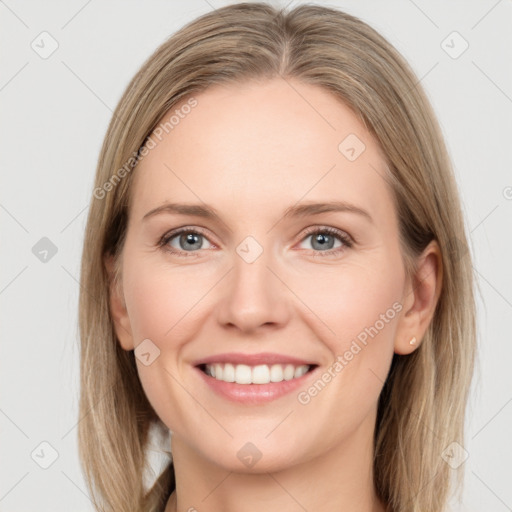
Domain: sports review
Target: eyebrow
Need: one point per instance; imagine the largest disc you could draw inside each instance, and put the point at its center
(298, 210)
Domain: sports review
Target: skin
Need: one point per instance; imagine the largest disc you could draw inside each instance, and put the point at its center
(251, 150)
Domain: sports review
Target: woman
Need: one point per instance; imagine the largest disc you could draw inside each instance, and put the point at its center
(275, 270)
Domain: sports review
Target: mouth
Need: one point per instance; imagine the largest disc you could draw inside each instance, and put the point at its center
(260, 374)
(254, 378)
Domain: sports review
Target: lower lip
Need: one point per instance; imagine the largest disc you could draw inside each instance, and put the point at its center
(254, 393)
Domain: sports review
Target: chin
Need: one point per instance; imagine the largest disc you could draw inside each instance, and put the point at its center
(241, 456)
(268, 463)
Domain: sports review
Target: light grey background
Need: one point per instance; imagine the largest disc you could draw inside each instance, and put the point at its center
(54, 114)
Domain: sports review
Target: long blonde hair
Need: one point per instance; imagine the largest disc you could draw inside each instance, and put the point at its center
(422, 405)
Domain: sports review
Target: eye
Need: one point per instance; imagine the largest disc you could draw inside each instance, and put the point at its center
(323, 241)
(184, 240)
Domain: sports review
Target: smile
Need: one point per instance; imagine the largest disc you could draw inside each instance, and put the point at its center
(259, 374)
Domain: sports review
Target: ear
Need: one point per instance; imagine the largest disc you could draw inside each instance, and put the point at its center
(421, 295)
(117, 306)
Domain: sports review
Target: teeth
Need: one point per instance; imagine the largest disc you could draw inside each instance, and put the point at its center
(276, 373)
(242, 374)
(300, 371)
(289, 372)
(260, 374)
(229, 373)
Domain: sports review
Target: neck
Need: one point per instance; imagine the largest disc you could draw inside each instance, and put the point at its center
(341, 479)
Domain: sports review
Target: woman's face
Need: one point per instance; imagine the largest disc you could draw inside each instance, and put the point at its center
(268, 274)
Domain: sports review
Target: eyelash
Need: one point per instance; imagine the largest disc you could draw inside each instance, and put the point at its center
(345, 239)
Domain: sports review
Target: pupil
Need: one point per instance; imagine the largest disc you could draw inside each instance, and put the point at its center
(323, 240)
(191, 238)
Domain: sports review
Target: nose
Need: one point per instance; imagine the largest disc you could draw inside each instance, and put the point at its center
(254, 296)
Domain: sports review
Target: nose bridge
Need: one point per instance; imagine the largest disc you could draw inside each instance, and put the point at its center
(254, 296)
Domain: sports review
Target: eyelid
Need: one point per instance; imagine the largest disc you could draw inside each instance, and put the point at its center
(342, 235)
(168, 235)
(347, 240)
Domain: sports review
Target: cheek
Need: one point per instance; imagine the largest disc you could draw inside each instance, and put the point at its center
(356, 314)
(352, 309)
(355, 309)
(160, 306)
(164, 305)
(161, 301)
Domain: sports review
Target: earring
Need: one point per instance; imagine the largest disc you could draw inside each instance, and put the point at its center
(413, 341)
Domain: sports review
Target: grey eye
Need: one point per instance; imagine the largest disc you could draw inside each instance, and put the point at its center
(188, 241)
(322, 241)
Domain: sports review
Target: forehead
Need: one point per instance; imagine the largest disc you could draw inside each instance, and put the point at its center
(260, 144)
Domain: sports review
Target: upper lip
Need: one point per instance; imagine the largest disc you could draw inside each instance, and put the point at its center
(252, 359)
